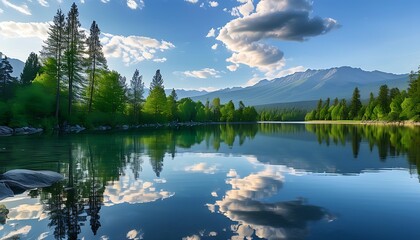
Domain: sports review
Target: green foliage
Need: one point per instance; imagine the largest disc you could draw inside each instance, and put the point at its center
(355, 105)
(110, 97)
(30, 70)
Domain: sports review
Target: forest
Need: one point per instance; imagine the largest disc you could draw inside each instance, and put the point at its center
(70, 83)
(389, 105)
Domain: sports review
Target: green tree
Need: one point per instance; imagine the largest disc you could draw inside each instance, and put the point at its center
(53, 49)
(75, 49)
(383, 102)
(172, 105)
(216, 109)
(318, 110)
(110, 97)
(96, 60)
(156, 104)
(186, 109)
(5, 76)
(228, 112)
(355, 105)
(136, 93)
(30, 70)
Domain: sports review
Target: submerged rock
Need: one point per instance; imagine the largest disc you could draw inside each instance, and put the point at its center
(17, 181)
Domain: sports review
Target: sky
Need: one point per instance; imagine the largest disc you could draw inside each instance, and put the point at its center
(214, 44)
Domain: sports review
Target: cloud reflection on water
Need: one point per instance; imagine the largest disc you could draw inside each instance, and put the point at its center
(246, 204)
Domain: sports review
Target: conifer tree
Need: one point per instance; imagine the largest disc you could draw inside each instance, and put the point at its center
(74, 56)
(96, 60)
(30, 70)
(53, 49)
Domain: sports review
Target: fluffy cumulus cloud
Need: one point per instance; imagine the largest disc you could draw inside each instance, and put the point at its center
(203, 73)
(192, 1)
(214, 47)
(133, 49)
(12, 29)
(285, 20)
(130, 190)
(213, 4)
(22, 8)
(135, 4)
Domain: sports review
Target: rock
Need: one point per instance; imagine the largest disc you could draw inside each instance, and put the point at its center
(103, 128)
(74, 129)
(6, 131)
(27, 130)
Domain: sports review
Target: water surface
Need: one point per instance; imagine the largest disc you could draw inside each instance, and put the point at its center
(265, 181)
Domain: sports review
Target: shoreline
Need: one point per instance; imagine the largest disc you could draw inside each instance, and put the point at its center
(360, 122)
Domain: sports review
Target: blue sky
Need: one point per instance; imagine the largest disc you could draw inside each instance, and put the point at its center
(252, 39)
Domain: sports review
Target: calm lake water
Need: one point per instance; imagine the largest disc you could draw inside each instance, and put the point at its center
(262, 181)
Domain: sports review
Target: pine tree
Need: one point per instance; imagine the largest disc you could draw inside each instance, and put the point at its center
(136, 93)
(96, 60)
(53, 49)
(74, 56)
(30, 70)
(355, 104)
(156, 104)
(5, 75)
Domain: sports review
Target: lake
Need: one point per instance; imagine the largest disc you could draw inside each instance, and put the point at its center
(255, 181)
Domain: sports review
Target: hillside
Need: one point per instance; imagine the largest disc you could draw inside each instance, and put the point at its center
(311, 85)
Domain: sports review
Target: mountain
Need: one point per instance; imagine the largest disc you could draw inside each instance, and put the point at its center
(17, 67)
(311, 85)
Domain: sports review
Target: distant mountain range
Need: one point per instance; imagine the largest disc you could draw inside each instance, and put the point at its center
(301, 89)
(311, 85)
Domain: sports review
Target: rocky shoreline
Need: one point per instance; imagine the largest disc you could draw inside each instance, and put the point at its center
(7, 131)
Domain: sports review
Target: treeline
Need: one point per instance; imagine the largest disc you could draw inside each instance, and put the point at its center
(389, 105)
(287, 114)
(70, 83)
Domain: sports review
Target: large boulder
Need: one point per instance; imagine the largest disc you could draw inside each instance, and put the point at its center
(17, 181)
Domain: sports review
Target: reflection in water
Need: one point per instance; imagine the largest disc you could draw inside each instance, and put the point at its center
(245, 205)
(106, 170)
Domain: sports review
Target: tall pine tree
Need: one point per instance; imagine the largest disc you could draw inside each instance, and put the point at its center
(156, 104)
(74, 56)
(96, 60)
(136, 93)
(355, 105)
(53, 49)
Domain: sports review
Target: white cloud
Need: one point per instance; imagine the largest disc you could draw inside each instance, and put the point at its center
(24, 30)
(214, 194)
(107, 1)
(134, 234)
(203, 73)
(24, 9)
(214, 47)
(43, 3)
(160, 60)
(1, 11)
(134, 4)
(211, 33)
(201, 167)
(202, 5)
(130, 190)
(133, 49)
(232, 67)
(192, 1)
(232, 174)
(43, 235)
(193, 237)
(18, 234)
(286, 20)
(213, 4)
